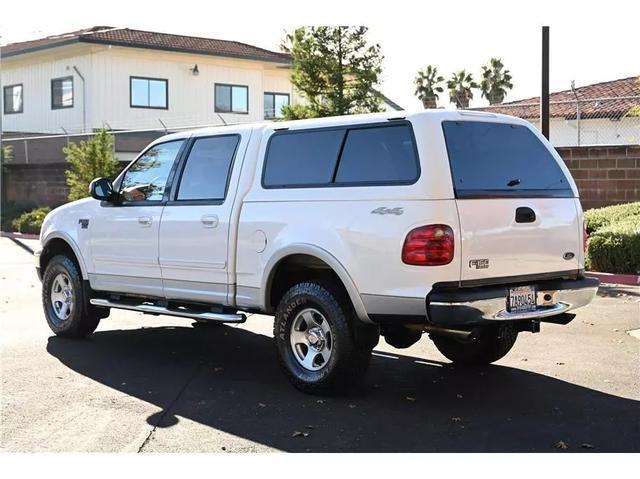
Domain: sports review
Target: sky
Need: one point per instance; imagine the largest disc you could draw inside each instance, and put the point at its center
(591, 41)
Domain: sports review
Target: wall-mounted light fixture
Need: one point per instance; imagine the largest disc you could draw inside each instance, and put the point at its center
(195, 70)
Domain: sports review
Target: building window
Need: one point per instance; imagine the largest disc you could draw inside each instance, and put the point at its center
(231, 98)
(273, 104)
(13, 99)
(148, 93)
(62, 93)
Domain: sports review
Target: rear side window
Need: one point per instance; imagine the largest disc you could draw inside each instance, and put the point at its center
(305, 158)
(206, 172)
(362, 155)
(497, 159)
(378, 155)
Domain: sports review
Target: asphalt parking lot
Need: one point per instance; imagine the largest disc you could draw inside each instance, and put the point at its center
(159, 384)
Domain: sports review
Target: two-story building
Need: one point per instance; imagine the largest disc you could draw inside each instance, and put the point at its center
(131, 79)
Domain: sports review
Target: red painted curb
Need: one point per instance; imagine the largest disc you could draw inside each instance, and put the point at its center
(18, 236)
(630, 279)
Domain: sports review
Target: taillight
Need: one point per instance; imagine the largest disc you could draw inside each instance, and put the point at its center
(428, 246)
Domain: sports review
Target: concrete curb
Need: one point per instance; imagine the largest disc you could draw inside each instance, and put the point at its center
(6, 234)
(628, 279)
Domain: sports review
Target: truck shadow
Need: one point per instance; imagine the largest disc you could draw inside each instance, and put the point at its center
(227, 378)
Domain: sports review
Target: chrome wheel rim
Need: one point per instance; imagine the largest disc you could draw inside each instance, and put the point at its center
(62, 297)
(311, 339)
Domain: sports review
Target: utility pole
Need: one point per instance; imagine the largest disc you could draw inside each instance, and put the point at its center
(544, 96)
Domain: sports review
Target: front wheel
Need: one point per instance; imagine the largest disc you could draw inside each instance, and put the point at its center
(493, 343)
(317, 344)
(63, 300)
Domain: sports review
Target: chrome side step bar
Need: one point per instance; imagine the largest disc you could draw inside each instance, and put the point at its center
(183, 313)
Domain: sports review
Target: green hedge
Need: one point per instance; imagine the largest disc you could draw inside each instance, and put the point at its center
(601, 217)
(10, 210)
(31, 221)
(615, 248)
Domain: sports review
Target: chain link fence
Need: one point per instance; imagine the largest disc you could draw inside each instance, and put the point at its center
(584, 122)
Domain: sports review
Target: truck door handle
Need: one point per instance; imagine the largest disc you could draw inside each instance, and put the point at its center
(524, 214)
(209, 221)
(144, 221)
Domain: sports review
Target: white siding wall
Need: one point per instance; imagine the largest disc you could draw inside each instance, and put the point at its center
(191, 98)
(107, 71)
(35, 72)
(625, 131)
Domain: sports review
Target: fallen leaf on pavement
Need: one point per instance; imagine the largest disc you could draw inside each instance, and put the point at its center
(300, 434)
(562, 445)
(586, 446)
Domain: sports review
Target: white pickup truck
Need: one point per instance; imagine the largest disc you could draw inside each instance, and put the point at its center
(466, 226)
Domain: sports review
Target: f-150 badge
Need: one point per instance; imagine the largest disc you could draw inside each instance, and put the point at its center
(383, 210)
(479, 263)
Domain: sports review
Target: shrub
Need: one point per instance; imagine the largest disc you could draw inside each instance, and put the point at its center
(601, 217)
(89, 160)
(10, 211)
(30, 222)
(616, 248)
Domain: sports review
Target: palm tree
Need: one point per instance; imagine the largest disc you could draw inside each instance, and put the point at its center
(495, 81)
(460, 88)
(427, 83)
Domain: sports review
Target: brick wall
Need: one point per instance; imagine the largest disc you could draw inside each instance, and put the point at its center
(605, 175)
(40, 185)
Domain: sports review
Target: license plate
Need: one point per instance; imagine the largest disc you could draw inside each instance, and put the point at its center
(522, 298)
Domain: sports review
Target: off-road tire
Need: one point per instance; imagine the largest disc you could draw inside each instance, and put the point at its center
(349, 356)
(83, 319)
(493, 343)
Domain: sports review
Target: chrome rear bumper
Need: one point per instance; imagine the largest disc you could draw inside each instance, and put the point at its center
(477, 305)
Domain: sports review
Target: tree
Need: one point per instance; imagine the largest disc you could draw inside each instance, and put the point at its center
(91, 159)
(460, 87)
(6, 155)
(496, 81)
(427, 83)
(335, 69)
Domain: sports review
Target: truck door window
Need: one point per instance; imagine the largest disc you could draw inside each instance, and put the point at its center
(146, 179)
(206, 172)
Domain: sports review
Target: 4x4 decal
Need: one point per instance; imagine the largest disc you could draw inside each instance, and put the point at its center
(383, 210)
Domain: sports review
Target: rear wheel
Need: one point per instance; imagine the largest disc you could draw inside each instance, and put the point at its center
(318, 346)
(492, 343)
(63, 300)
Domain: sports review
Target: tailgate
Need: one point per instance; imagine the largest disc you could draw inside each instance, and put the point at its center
(517, 208)
(496, 244)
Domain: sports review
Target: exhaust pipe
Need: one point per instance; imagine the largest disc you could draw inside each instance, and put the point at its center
(459, 334)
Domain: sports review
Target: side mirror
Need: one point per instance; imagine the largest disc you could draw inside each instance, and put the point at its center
(101, 189)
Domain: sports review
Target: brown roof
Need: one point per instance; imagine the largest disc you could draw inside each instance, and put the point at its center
(610, 99)
(127, 37)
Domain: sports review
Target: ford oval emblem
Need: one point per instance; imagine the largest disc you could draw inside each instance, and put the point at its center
(568, 255)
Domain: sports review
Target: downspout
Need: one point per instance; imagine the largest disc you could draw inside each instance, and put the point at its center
(575, 93)
(84, 100)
